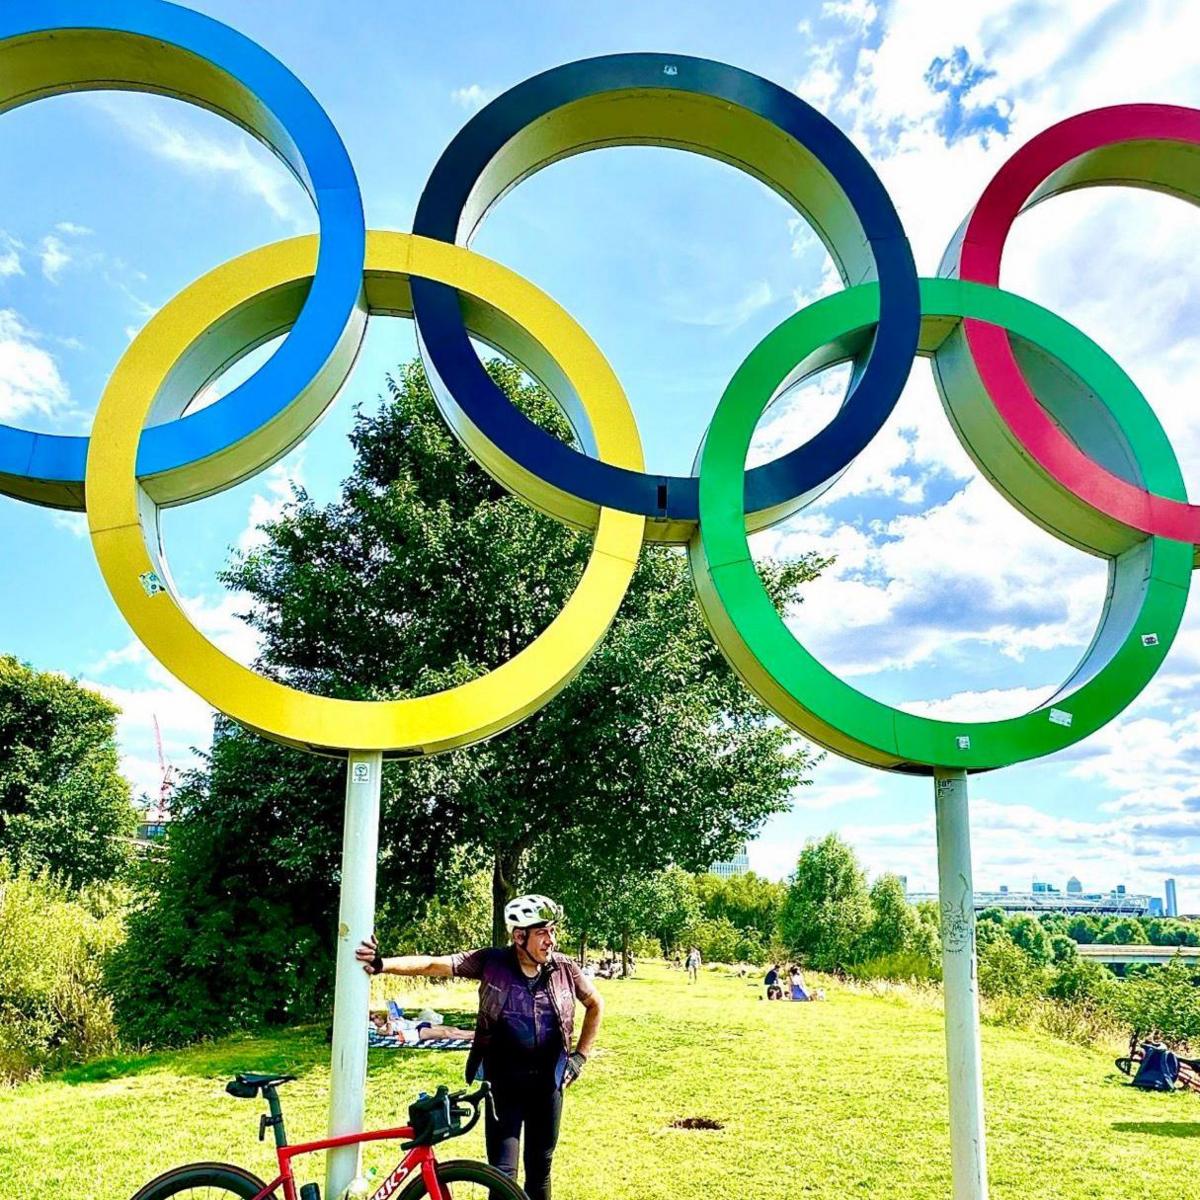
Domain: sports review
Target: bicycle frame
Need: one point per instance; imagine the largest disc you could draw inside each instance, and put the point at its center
(419, 1158)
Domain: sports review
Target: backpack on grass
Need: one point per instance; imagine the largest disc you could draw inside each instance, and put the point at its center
(1158, 1070)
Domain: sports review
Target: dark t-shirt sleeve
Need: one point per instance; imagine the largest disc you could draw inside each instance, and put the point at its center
(470, 963)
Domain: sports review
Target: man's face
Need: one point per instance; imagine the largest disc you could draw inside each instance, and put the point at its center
(538, 942)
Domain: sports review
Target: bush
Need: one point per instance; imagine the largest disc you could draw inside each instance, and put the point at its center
(643, 945)
(905, 966)
(1062, 949)
(1162, 1004)
(54, 1009)
(718, 940)
(1081, 979)
(1005, 969)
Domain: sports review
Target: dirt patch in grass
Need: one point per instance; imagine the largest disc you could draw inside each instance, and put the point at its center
(696, 1123)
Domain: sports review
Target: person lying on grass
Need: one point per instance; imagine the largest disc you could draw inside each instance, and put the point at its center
(415, 1031)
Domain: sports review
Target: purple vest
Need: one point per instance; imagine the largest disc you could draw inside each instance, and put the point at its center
(502, 972)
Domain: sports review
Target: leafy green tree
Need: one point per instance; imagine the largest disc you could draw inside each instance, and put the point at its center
(64, 804)
(719, 940)
(424, 573)
(1082, 930)
(894, 922)
(1005, 969)
(1028, 933)
(1053, 922)
(827, 909)
(1126, 931)
(1062, 949)
(1082, 979)
(677, 909)
(749, 901)
(994, 915)
(1168, 931)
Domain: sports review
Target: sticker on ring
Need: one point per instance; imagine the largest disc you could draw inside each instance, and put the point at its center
(152, 583)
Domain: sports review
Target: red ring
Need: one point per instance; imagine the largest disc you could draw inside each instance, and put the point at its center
(1011, 191)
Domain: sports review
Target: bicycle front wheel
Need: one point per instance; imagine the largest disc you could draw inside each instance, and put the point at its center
(467, 1180)
(204, 1181)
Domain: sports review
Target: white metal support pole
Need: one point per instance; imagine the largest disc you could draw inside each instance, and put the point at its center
(968, 1152)
(352, 988)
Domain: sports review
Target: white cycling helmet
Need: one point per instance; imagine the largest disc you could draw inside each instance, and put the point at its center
(527, 911)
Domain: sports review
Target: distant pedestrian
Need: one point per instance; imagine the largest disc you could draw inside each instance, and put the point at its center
(693, 964)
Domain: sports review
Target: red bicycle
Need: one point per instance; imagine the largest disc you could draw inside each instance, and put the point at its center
(432, 1119)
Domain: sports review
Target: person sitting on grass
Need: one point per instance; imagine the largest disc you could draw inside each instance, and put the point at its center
(796, 979)
(800, 990)
(415, 1031)
(771, 982)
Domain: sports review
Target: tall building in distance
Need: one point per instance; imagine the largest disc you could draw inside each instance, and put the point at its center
(739, 864)
(1074, 887)
(1172, 902)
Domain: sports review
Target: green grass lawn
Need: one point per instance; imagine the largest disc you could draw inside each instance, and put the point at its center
(840, 1099)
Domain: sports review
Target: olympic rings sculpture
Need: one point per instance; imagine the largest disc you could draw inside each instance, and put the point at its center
(1044, 413)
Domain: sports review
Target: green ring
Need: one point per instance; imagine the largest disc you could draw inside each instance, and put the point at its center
(1148, 582)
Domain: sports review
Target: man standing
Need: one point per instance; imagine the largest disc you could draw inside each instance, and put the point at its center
(527, 994)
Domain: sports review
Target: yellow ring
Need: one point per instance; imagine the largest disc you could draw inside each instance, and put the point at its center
(238, 306)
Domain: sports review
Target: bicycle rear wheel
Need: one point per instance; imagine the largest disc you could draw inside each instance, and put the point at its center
(463, 1179)
(204, 1181)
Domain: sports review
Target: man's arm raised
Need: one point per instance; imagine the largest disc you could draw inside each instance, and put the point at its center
(440, 966)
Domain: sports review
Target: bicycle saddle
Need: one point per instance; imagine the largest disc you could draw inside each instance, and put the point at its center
(247, 1085)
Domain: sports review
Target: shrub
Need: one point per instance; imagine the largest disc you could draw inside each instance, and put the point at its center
(1163, 1004)
(1029, 933)
(905, 966)
(54, 1009)
(1005, 969)
(1062, 949)
(718, 940)
(1081, 979)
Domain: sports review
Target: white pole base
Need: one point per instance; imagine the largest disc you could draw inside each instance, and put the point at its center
(964, 1071)
(352, 987)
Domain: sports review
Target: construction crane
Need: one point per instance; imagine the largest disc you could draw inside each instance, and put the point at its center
(161, 807)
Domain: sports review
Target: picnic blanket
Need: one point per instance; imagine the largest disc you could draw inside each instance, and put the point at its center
(378, 1041)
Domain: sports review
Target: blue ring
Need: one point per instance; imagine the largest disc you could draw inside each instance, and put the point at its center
(49, 468)
(452, 363)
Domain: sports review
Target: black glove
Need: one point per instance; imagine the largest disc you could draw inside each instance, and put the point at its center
(575, 1063)
(377, 963)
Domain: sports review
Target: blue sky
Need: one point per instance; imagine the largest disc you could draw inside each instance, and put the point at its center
(943, 598)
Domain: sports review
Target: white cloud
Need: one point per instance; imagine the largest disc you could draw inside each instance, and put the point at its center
(75, 523)
(185, 721)
(472, 97)
(10, 255)
(72, 229)
(729, 315)
(860, 15)
(234, 158)
(29, 378)
(55, 256)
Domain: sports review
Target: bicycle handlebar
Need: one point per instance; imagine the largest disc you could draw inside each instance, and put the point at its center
(438, 1117)
(463, 1102)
